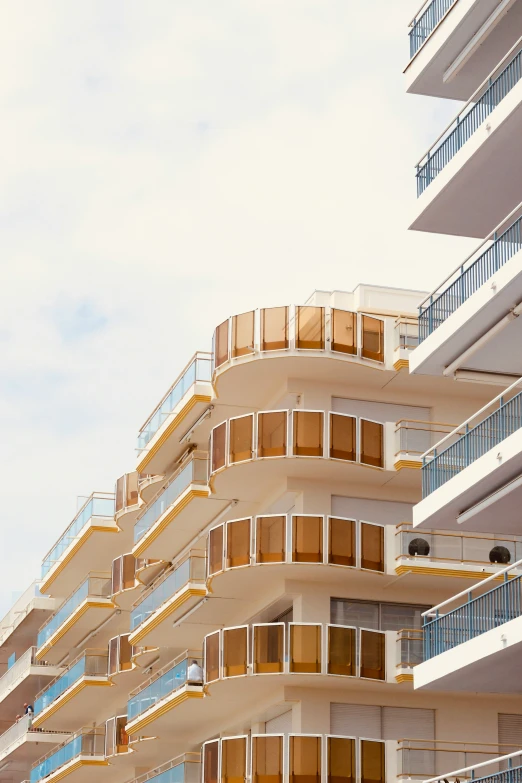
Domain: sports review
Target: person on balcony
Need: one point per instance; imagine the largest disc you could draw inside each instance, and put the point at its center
(195, 674)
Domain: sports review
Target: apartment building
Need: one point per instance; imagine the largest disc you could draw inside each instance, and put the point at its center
(247, 604)
(469, 184)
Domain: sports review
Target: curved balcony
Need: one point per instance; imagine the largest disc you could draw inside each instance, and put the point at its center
(145, 657)
(84, 610)
(133, 490)
(123, 670)
(75, 693)
(74, 760)
(183, 404)
(148, 570)
(23, 679)
(89, 543)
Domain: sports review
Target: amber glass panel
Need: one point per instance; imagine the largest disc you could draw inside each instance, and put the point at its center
(110, 737)
(341, 651)
(267, 760)
(212, 657)
(372, 547)
(305, 648)
(235, 652)
(305, 759)
(372, 338)
(215, 550)
(307, 539)
(233, 760)
(270, 539)
(342, 437)
(243, 334)
(240, 445)
(219, 442)
(344, 331)
(113, 656)
(238, 543)
(372, 762)
(268, 648)
(373, 655)
(274, 328)
(271, 434)
(210, 762)
(122, 738)
(129, 569)
(117, 575)
(341, 760)
(120, 493)
(125, 653)
(131, 487)
(372, 451)
(308, 433)
(310, 327)
(341, 541)
(221, 344)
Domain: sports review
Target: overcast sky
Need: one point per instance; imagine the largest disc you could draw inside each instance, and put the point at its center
(166, 164)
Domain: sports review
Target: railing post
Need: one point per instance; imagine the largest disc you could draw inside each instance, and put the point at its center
(466, 446)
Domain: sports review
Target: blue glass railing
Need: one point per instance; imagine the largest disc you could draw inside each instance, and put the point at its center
(90, 664)
(194, 472)
(423, 26)
(89, 743)
(199, 369)
(173, 775)
(468, 279)
(163, 684)
(99, 586)
(96, 506)
(467, 122)
(473, 618)
(191, 569)
(440, 466)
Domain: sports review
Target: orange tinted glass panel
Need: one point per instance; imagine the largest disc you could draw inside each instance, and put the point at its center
(270, 539)
(110, 737)
(341, 541)
(305, 648)
(243, 334)
(372, 547)
(122, 738)
(305, 759)
(341, 651)
(308, 433)
(372, 655)
(341, 760)
(212, 657)
(235, 652)
(117, 575)
(271, 434)
(219, 439)
(125, 653)
(268, 648)
(344, 331)
(241, 439)
(342, 437)
(372, 762)
(221, 344)
(238, 543)
(233, 760)
(210, 762)
(131, 489)
(113, 656)
(120, 493)
(310, 327)
(372, 451)
(267, 759)
(307, 539)
(274, 329)
(215, 550)
(372, 338)
(129, 566)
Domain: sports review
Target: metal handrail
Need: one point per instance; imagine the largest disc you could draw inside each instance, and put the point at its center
(98, 731)
(200, 553)
(481, 764)
(86, 653)
(101, 495)
(451, 534)
(91, 575)
(175, 762)
(168, 666)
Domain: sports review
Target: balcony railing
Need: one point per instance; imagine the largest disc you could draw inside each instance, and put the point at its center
(426, 20)
(472, 549)
(479, 267)
(474, 612)
(410, 648)
(91, 663)
(406, 332)
(96, 585)
(198, 369)
(15, 734)
(296, 538)
(182, 769)
(166, 681)
(123, 573)
(89, 742)
(297, 433)
(193, 471)
(495, 422)
(502, 769)
(296, 648)
(19, 670)
(19, 610)
(120, 655)
(116, 737)
(489, 95)
(99, 504)
(415, 437)
(419, 759)
(192, 568)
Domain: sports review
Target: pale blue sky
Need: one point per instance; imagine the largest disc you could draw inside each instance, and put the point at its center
(165, 165)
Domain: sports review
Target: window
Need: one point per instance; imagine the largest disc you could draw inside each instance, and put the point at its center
(221, 344)
(219, 442)
(305, 648)
(240, 438)
(372, 546)
(238, 543)
(310, 327)
(268, 648)
(308, 433)
(372, 443)
(372, 338)
(376, 616)
(305, 759)
(215, 550)
(233, 760)
(271, 434)
(212, 657)
(267, 759)
(274, 328)
(343, 437)
(307, 539)
(235, 651)
(270, 539)
(344, 331)
(383, 723)
(243, 334)
(341, 541)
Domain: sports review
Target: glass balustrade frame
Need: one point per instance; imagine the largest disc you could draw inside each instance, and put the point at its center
(430, 15)
(127, 492)
(77, 669)
(76, 747)
(160, 679)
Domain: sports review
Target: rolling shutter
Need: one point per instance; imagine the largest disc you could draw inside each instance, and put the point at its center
(279, 725)
(407, 723)
(509, 731)
(355, 720)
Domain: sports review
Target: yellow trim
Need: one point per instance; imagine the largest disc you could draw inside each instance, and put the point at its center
(60, 565)
(475, 575)
(164, 613)
(176, 421)
(401, 364)
(152, 534)
(407, 463)
(66, 626)
(166, 707)
(67, 696)
(80, 763)
(404, 677)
